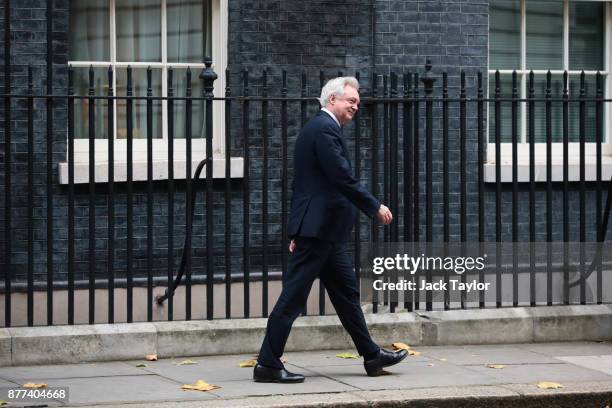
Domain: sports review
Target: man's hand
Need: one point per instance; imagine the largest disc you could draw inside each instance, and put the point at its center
(384, 215)
(292, 246)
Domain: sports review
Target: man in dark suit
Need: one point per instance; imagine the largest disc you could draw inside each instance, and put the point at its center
(325, 194)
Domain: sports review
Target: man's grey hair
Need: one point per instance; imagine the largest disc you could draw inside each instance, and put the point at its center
(336, 86)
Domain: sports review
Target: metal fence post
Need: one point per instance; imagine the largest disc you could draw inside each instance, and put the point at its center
(208, 77)
(428, 80)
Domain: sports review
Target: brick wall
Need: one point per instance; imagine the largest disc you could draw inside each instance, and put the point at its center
(296, 36)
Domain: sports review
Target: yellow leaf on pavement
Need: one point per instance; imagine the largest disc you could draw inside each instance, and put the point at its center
(200, 385)
(34, 385)
(141, 365)
(346, 355)
(400, 346)
(151, 357)
(414, 353)
(2, 402)
(499, 366)
(549, 385)
(443, 359)
(187, 362)
(247, 363)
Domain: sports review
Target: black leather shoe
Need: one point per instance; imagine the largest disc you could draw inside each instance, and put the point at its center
(374, 367)
(275, 375)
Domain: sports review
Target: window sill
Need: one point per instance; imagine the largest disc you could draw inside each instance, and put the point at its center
(557, 169)
(160, 170)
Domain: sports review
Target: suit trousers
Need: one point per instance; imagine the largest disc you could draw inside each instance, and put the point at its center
(330, 261)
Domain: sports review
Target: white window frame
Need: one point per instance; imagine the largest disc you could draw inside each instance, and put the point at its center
(219, 19)
(557, 147)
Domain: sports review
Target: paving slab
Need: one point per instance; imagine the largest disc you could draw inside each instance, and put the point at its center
(7, 383)
(314, 384)
(490, 354)
(322, 358)
(328, 358)
(534, 373)
(577, 348)
(461, 380)
(598, 363)
(104, 369)
(208, 368)
(124, 389)
(407, 375)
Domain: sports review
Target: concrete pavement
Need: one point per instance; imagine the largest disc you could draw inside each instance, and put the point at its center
(441, 376)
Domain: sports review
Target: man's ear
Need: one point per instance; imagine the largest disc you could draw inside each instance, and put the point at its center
(332, 98)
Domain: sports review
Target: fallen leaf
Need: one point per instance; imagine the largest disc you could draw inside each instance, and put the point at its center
(247, 363)
(151, 357)
(141, 365)
(400, 346)
(2, 402)
(499, 366)
(549, 385)
(346, 355)
(443, 359)
(34, 385)
(430, 365)
(187, 362)
(283, 360)
(200, 385)
(414, 353)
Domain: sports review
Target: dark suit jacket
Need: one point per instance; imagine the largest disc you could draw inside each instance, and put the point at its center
(324, 188)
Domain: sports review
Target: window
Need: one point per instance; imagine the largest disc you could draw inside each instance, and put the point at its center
(160, 34)
(538, 36)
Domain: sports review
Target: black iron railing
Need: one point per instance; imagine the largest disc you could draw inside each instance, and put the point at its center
(395, 119)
